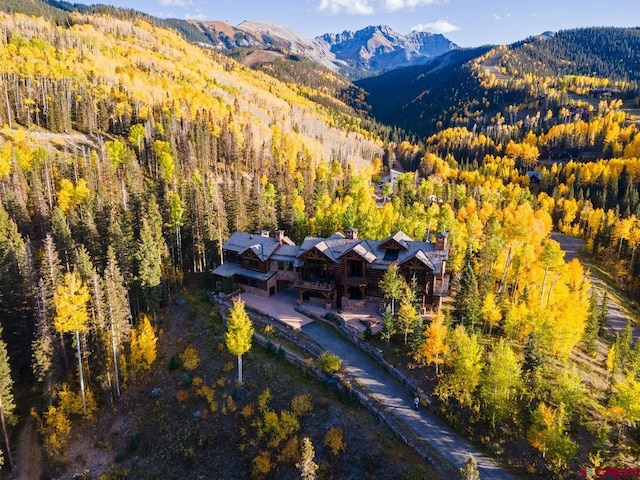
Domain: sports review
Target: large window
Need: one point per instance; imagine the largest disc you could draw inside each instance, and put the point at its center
(354, 267)
(315, 270)
(419, 274)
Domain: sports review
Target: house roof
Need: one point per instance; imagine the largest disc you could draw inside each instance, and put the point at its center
(262, 247)
(373, 251)
(230, 270)
(286, 253)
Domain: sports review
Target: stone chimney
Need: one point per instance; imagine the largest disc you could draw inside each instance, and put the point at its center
(264, 233)
(279, 236)
(441, 240)
(351, 233)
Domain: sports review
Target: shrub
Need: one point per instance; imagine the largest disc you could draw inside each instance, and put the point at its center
(189, 358)
(248, 411)
(182, 395)
(329, 363)
(290, 452)
(261, 465)
(174, 363)
(334, 441)
(269, 330)
(301, 405)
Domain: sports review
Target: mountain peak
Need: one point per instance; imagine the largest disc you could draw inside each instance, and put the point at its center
(379, 48)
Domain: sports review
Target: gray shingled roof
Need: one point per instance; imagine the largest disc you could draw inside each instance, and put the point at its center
(229, 270)
(263, 247)
(337, 245)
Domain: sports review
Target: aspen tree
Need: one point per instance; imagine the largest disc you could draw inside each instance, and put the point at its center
(239, 333)
(71, 299)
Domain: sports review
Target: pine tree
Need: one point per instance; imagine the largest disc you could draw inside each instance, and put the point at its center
(118, 314)
(239, 333)
(468, 306)
(590, 335)
(7, 403)
(470, 470)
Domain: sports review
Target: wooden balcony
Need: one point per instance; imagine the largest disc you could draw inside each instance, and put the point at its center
(319, 286)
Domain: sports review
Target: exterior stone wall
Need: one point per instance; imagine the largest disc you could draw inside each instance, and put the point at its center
(353, 305)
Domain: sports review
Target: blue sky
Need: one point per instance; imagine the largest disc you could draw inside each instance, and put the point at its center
(468, 23)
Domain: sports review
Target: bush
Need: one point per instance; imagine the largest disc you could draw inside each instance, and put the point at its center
(334, 441)
(190, 358)
(329, 363)
(301, 405)
(261, 465)
(269, 330)
(174, 363)
(290, 453)
(182, 395)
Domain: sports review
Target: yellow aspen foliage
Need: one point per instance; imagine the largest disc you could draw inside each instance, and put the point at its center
(70, 402)
(143, 346)
(55, 429)
(547, 434)
(625, 402)
(491, 313)
(189, 358)
(434, 348)
(70, 196)
(5, 160)
(71, 299)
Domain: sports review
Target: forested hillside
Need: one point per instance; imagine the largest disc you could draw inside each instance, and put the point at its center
(128, 156)
(469, 87)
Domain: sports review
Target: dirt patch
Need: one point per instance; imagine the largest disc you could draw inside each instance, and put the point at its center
(261, 56)
(28, 455)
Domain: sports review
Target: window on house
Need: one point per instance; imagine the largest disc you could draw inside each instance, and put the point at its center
(391, 255)
(354, 268)
(290, 266)
(280, 265)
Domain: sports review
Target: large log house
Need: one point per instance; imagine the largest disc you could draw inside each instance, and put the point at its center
(339, 271)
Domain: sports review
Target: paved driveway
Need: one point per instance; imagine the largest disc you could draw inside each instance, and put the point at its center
(387, 390)
(390, 393)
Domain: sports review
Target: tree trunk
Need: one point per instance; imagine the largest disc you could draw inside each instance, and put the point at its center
(239, 369)
(84, 399)
(115, 355)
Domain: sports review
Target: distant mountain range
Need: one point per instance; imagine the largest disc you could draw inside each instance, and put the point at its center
(365, 52)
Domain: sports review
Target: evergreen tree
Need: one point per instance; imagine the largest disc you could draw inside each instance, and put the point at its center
(118, 314)
(470, 470)
(468, 306)
(592, 327)
(7, 403)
